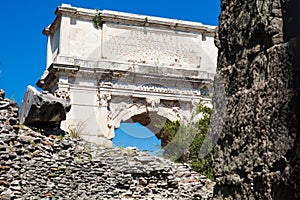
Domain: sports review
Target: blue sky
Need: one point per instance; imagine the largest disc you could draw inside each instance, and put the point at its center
(23, 46)
(136, 135)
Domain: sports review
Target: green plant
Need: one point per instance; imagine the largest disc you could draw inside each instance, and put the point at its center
(34, 144)
(178, 148)
(97, 20)
(90, 157)
(188, 139)
(76, 130)
(73, 133)
(168, 132)
(60, 137)
(146, 19)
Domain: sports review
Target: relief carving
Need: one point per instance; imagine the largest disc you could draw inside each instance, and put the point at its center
(151, 88)
(153, 102)
(103, 100)
(63, 92)
(109, 119)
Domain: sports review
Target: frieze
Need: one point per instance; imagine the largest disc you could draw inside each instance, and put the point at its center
(151, 88)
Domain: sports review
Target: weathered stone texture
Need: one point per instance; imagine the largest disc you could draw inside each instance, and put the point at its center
(33, 166)
(258, 153)
(129, 65)
(8, 113)
(42, 108)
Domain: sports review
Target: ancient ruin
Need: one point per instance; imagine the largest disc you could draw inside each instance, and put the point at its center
(130, 73)
(34, 166)
(42, 108)
(114, 66)
(257, 155)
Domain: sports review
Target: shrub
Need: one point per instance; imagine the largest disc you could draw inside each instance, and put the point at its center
(182, 142)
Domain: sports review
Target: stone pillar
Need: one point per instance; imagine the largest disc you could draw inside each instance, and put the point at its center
(106, 127)
(257, 155)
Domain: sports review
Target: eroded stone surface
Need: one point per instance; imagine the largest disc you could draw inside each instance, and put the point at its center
(42, 109)
(8, 114)
(33, 166)
(257, 154)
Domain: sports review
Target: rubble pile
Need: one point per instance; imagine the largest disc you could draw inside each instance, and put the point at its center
(34, 166)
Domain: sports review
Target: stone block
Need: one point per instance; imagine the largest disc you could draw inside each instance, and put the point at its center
(42, 108)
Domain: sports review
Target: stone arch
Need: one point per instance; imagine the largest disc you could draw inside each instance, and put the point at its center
(155, 121)
(171, 114)
(127, 113)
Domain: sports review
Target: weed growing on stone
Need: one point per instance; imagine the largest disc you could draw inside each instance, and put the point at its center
(34, 144)
(60, 137)
(97, 20)
(76, 130)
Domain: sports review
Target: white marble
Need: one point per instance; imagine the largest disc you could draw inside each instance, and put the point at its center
(129, 65)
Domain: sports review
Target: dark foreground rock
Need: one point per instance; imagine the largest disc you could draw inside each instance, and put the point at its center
(34, 166)
(258, 153)
(42, 109)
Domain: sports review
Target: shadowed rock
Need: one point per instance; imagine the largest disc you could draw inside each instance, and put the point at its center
(42, 109)
(257, 154)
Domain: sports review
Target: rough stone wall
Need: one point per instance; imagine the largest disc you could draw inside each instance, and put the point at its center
(33, 166)
(8, 113)
(258, 153)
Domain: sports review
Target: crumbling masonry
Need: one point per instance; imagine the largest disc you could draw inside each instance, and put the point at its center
(258, 153)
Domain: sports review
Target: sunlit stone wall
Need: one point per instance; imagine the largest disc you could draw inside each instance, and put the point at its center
(129, 65)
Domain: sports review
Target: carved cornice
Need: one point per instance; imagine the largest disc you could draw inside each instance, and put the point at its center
(48, 81)
(109, 73)
(128, 19)
(50, 30)
(137, 68)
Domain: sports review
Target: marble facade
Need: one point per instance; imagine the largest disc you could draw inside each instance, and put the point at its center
(129, 65)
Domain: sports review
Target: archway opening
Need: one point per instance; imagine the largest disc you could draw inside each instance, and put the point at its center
(142, 131)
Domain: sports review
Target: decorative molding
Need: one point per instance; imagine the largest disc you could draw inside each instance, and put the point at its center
(108, 16)
(63, 92)
(151, 88)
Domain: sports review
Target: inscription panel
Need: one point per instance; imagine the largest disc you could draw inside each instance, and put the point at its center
(151, 46)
